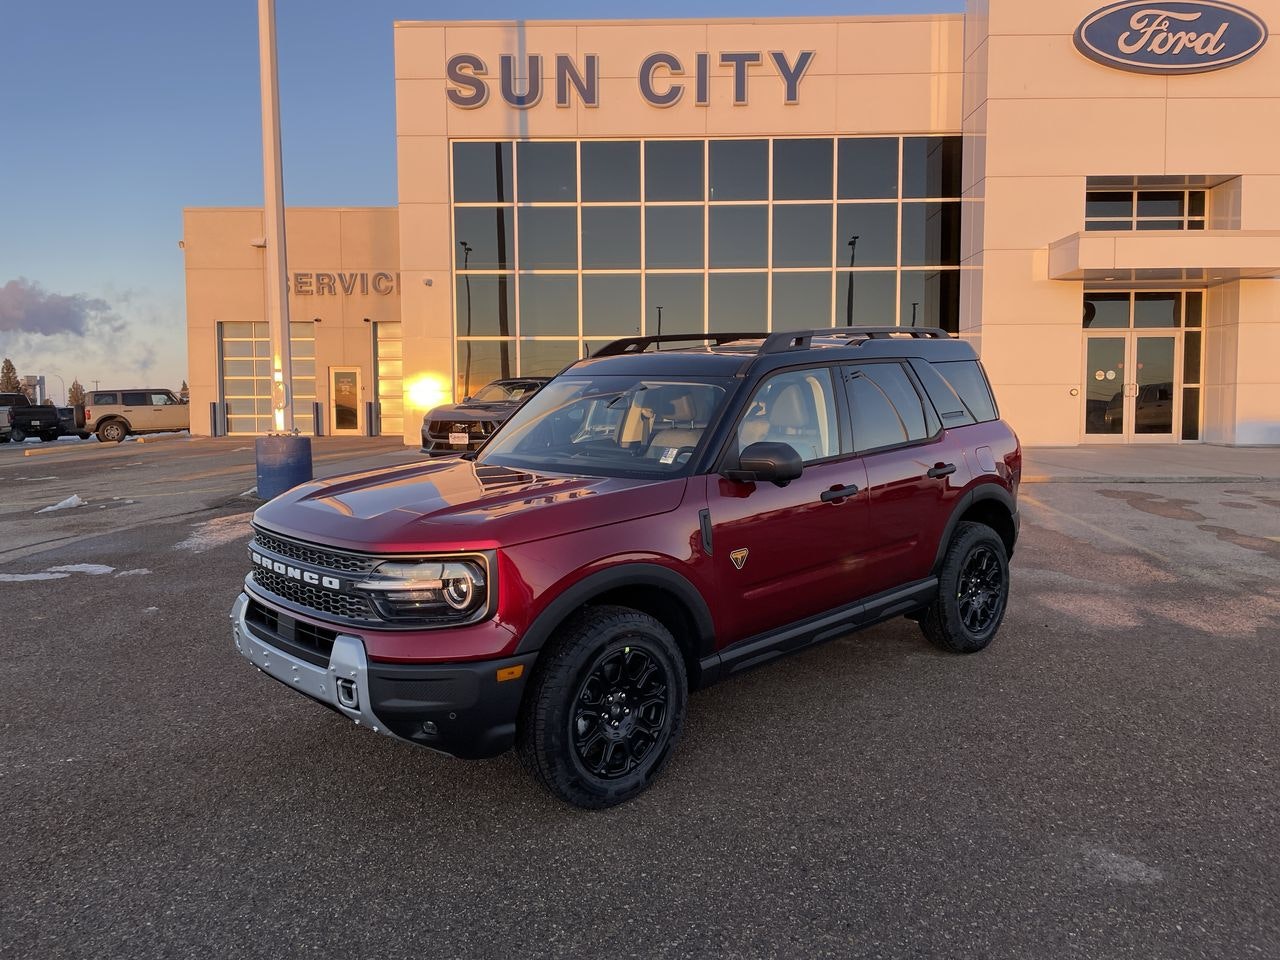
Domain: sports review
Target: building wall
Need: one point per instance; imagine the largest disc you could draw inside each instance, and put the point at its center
(225, 283)
(1039, 120)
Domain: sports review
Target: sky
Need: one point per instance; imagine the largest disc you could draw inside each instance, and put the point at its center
(115, 116)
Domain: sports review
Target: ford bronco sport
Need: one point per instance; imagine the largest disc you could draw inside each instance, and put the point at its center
(651, 521)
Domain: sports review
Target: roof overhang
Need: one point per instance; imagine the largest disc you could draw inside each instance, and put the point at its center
(1166, 258)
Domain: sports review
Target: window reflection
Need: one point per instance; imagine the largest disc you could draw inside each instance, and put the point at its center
(739, 169)
(673, 237)
(548, 171)
(866, 298)
(482, 172)
(611, 305)
(802, 235)
(548, 238)
(867, 235)
(485, 305)
(610, 170)
(548, 306)
(481, 361)
(1106, 311)
(738, 302)
(673, 169)
(868, 168)
(930, 299)
(673, 303)
(739, 236)
(610, 238)
(1157, 310)
(930, 234)
(802, 169)
(546, 358)
(486, 240)
(801, 300)
(931, 166)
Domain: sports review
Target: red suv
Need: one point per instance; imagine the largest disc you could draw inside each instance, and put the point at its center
(651, 521)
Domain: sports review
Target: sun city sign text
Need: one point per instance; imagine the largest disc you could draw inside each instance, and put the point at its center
(660, 78)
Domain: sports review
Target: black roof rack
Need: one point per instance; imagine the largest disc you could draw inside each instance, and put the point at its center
(640, 344)
(802, 339)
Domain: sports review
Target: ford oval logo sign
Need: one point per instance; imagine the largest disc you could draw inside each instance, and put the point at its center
(1174, 37)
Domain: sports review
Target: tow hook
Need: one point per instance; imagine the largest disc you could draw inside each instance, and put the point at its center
(347, 695)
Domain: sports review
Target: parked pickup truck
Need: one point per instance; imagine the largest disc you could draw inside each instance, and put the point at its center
(20, 418)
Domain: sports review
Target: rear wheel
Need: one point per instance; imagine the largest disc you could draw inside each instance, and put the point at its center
(112, 431)
(973, 591)
(605, 709)
(17, 435)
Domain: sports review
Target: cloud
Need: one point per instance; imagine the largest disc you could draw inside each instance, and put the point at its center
(26, 307)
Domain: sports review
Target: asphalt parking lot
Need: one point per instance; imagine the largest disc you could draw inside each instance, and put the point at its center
(1101, 782)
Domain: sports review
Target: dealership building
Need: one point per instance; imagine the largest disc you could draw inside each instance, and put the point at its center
(1090, 195)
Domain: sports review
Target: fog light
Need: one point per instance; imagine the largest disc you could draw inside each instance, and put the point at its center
(429, 728)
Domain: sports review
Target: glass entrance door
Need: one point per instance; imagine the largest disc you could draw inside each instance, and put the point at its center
(1131, 387)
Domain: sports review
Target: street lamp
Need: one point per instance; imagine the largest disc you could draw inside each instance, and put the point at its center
(466, 279)
(914, 304)
(848, 304)
(659, 321)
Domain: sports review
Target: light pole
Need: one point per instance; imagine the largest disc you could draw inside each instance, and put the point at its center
(466, 279)
(64, 388)
(848, 303)
(659, 321)
(914, 304)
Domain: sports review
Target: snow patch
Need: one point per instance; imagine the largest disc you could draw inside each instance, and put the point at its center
(150, 609)
(24, 577)
(137, 572)
(75, 500)
(93, 569)
(216, 532)
(251, 492)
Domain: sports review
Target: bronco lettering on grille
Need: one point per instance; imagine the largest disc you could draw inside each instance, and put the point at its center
(297, 573)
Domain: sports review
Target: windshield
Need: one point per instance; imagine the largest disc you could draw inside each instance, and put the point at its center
(501, 392)
(611, 426)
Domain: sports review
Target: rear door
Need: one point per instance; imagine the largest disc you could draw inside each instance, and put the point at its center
(781, 554)
(915, 471)
(166, 412)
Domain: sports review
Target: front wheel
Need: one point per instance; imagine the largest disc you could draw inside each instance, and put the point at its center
(605, 709)
(973, 591)
(17, 435)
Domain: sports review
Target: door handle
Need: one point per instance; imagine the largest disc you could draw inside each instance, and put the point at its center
(941, 470)
(839, 492)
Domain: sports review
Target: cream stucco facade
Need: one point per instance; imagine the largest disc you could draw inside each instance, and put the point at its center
(1045, 139)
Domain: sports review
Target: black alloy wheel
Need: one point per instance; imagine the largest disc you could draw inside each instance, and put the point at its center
(18, 435)
(973, 591)
(620, 714)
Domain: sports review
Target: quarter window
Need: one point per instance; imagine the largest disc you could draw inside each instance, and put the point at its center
(887, 409)
(796, 408)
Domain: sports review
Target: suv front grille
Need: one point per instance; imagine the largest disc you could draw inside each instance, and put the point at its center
(315, 556)
(304, 594)
(302, 639)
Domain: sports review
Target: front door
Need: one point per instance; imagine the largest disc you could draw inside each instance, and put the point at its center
(344, 401)
(1131, 387)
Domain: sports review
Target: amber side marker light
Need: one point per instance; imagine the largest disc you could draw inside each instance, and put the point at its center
(511, 673)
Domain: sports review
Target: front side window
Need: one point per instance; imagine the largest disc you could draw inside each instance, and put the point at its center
(138, 399)
(162, 399)
(796, 408)
(610, 426)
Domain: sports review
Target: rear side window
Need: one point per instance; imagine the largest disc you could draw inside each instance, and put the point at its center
(970, 384)
(138, 399)
(108, 398)
(885, 407)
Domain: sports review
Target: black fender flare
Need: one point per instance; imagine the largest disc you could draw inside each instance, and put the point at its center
(623, 575)
(983, 491)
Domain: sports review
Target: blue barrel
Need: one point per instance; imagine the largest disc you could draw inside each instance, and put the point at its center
(283, 462)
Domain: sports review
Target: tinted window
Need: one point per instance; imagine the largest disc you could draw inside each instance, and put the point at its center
(548, 238)
(485, 238)
(486, 308)
(893, 381)
(945, 399)
(482, 172)
(610, 238)
(739, 170)
(161, 399)
(610, 171)
(673, 237)
(548, 172)
(865, 298)
(739, 236)
(739, 301)
(104, 398)
(1106, 310)
(931, 166)
(931, 299)
(802, 235)
(1157, 310)
(867, 235)
(673, 170)
(802, 169)
(138, 399)
(611, 305)
(548, 307)
(875, 422)
(868, 168)
(796, 408)
(1107, 204)
(674, 303)
(930, 234)
(969, 383)
(801, 301)
(480, 361)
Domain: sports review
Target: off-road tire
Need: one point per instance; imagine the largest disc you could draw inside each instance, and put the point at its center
(113, 431)
(17, 435)
(944, 620)
(554, 718)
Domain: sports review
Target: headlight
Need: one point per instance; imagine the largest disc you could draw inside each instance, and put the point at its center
(439, 591)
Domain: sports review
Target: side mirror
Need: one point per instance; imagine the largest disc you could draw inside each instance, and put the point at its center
(767, 462)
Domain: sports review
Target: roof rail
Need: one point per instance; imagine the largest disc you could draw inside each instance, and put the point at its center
(640, 344)
(786, 340)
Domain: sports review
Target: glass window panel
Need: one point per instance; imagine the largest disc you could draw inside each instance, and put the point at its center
(262, 368)
(771, 414)
(610, 238)
(302, 330)
(485, 238)
(480, 361)
(237, 368)
(739, 169)
(591, 346)
(931, 234)
(261, 348)
(931, 166)
(739, 236)
(1191, 357)
(875, 421)
(931, 299)
(611, 305)
(1191, 413)
(482, 172)
(866, 298)
(1157, 310)
(868, 168)
(390, 348)
(548, 306)
(241, 407)
(1160, 203)
(548, 171)
(389, 330)
(546, 358)
(901, 393)
(303, 368)
(390, 370)
(304, 387)
(801, 301)
(236, 387)
(680, 297)
(1195, 224)
(966, 378)
(802, 235)
(261, 331)
(486, 306)
(237, 348)
(610, 170)
(1106, 310)
(1160, 225)
(802, 169)
(1105, 203)
(302, 349)
(1096, 225)
(875, 225)
(237, 330)
(673, 170)
(673, 237)
(1195, 203)
(1194, 308)
(738, 302)
(548, 238)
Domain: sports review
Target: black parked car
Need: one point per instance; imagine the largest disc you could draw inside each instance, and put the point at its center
(459, 427)
(71, 422)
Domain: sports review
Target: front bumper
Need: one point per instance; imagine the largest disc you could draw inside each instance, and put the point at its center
(462, 709)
